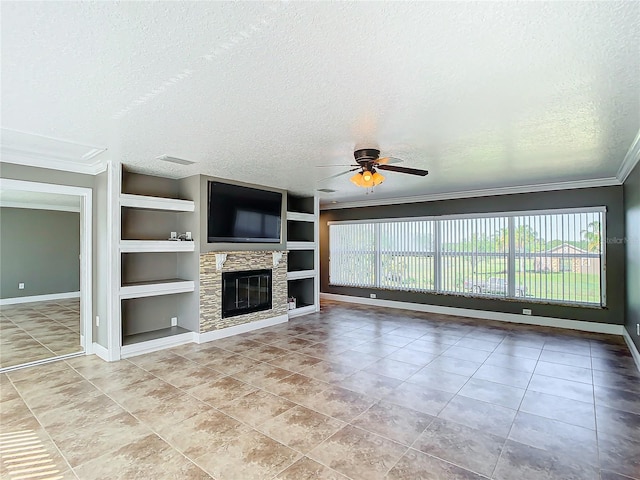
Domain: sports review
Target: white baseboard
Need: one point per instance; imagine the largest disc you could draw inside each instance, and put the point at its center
(39, 298)
(101, 351)
(237, 329)
(487, 315)
(296, 312)
(632, 348)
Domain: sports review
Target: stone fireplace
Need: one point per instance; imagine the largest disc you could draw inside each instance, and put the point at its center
(240, 265)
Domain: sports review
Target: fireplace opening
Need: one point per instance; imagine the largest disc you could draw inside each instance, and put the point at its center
(245, 292)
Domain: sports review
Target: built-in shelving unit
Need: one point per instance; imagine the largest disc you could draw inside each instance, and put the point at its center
(301, 274)
(303, 259)
(156, 203)
(154, 296)
(155, 288)
(301, 246)
(140, 246)
(153, 335)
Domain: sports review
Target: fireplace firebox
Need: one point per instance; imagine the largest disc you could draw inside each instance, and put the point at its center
(246, 292)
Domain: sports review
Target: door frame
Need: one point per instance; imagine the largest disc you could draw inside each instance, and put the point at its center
(86, 244)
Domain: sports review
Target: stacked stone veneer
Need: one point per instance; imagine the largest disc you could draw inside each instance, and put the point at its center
(211, 287)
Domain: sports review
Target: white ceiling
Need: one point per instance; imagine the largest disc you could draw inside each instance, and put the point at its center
(483, 95)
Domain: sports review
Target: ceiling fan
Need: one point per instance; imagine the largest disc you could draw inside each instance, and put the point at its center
(368, 162)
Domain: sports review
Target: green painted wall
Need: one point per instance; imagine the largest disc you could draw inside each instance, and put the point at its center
(632, 213)
(41, 249)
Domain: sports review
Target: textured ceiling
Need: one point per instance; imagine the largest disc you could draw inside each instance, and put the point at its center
(483, 95)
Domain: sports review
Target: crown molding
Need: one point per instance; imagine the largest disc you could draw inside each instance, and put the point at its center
(631, 159)
(488, 192)
(31, 159)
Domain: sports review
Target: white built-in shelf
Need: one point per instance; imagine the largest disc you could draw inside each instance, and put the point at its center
(156, 203)
(146, 342)
(301, 217)
(302, 310)
(135, 246)
(156, 288)
(301, 245)
(301, 274)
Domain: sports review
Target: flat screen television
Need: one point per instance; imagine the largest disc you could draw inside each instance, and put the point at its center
(242, 214)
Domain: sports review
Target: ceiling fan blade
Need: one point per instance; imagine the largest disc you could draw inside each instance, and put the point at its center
(340, 174)
(337, 165)
(388, 160)
(410, 171)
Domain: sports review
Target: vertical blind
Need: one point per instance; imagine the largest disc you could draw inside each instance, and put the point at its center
(552, 256)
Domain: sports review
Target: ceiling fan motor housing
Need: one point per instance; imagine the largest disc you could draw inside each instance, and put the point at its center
(366, 155)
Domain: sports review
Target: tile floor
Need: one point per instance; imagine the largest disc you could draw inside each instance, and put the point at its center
(38, 330)
(352, 392)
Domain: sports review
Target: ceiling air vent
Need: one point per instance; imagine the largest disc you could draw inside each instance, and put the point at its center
(179, 161)
(326, 190)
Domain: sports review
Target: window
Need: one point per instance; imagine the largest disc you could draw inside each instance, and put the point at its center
(551, 256)
(353, 257)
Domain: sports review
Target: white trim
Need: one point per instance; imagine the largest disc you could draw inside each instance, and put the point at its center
(154, 345)
(156, 289)
(86, 244)
(55, 160)
(299, 274)
(301, 245)
(101, 352)
(114, 320)
(297, 312)
(86, 269)
(487, 315)
(156, 203)
(543, 187)
(36, 160)
(301, 217)
(456, 216)
(631, 159)
(238, 329)
(27, 186)
(39, 298)
(632, 348)
(38, 206)
(132, 246)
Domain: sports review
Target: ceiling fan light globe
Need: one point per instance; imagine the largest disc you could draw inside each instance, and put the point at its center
(377, 178)
(357, 180)
(367, 176)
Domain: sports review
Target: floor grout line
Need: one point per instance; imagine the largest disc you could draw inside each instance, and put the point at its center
(260, 385)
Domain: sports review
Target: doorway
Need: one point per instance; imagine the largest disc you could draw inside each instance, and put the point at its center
(45, 287)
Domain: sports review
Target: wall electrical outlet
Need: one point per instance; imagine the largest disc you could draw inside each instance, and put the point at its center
(21, 286)
(174, 321)
(372, 295)
(97, 321)
(187, 235)
(526, 311)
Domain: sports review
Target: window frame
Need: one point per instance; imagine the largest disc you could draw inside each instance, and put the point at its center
(511, 255)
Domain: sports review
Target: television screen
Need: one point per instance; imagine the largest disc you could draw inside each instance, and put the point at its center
(243, 215)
